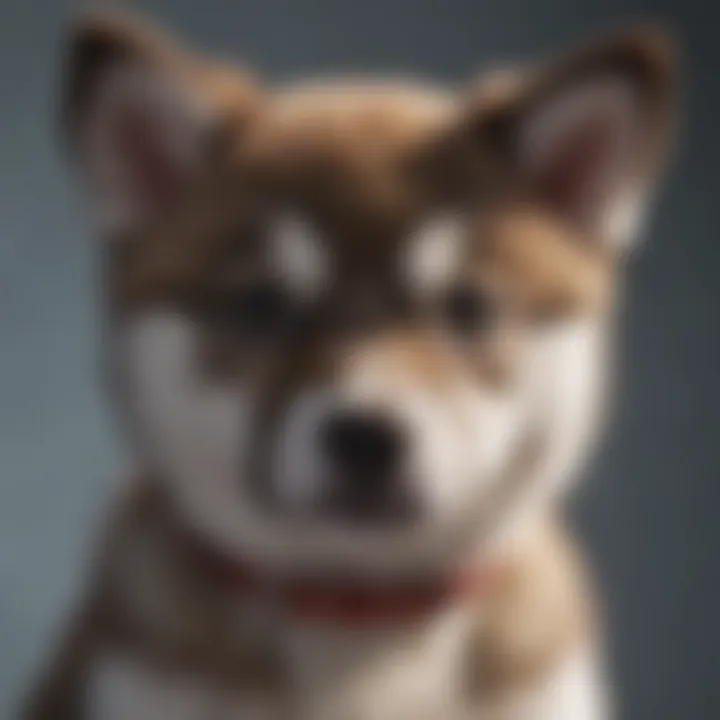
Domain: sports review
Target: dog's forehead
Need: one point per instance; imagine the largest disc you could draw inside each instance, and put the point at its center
(390, 112)
(350, 154)
(341, 119)
(340, 196)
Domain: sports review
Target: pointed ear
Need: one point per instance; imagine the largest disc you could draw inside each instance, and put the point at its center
(589, 134)
(140, 117)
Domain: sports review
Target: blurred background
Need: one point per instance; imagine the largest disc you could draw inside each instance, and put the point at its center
(650, 509)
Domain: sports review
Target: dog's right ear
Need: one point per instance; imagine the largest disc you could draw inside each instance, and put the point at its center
(141, 117)
(588, 134)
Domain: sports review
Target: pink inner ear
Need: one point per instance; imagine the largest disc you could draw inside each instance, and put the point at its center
(155, 174)
(577, 171)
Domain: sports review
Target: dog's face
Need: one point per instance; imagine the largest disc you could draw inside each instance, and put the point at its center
(352, 322)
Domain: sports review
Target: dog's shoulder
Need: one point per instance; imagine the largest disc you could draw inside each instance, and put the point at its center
(58, 691)
(147, 602)
(169, 605)
(538, 613)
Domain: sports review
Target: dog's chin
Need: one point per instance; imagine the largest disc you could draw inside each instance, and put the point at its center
(345, 501)
(355, 511)
(335, 538)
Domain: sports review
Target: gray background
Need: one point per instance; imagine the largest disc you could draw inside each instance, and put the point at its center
(649, 510)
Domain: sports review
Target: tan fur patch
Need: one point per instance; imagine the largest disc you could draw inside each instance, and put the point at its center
(536, 615)
(544, 270)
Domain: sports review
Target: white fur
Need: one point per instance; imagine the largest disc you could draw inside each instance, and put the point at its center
(300, 472)
(298, 255)
(434, 253)
(576, 690)
(406, 671)
(568, 372)
(624, 222)
(199, 433)
(412, 672)
(462, 434)
(463, 439)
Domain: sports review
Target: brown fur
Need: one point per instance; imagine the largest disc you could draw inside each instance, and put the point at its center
(367, 163)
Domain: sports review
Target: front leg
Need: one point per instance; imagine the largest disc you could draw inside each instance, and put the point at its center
(537, 652)
(573, 691)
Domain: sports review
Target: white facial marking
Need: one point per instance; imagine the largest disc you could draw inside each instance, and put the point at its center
(461, 439)
(566, 369)
(300, 468)
(565, 378)
(625, 220)
(200, 436)
(198, 433)
(458, 437)
(434, 253)
(298, 256)
(188, 419)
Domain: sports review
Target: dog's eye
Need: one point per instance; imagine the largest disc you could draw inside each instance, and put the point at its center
(467, 309)
(260, 310)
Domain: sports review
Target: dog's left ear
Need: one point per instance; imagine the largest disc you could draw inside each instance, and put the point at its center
(142, 116)
(587, 135)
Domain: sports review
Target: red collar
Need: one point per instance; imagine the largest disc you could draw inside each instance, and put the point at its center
(352, 603)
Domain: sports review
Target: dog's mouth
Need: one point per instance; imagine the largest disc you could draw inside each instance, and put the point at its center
(376, 503)
(348, 501)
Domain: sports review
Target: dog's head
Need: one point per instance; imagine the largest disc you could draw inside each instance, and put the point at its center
(354, 322)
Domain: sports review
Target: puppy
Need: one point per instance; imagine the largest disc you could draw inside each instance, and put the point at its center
(357, 336)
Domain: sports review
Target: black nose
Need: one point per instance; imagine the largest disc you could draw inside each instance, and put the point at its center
(362, 445)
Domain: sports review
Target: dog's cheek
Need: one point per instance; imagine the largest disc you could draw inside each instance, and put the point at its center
(460, 445)
(299, 473)
(196, 433)
(435, 454)
(493, 424)
(565, 385)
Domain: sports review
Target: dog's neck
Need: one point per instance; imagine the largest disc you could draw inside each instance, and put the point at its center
(378, 664)
(363, 650)
(408, 669)
(366, 650)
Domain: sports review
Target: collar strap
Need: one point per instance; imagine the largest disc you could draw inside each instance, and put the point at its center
(352, 603)
(367, 604)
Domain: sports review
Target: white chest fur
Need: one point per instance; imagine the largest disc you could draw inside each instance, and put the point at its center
(379, 674)
(343, 683)
(338, 674)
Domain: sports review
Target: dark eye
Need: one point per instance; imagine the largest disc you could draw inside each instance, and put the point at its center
(467, 309)
(258, 311)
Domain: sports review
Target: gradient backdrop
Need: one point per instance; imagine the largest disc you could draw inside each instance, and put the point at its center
(649, 510)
